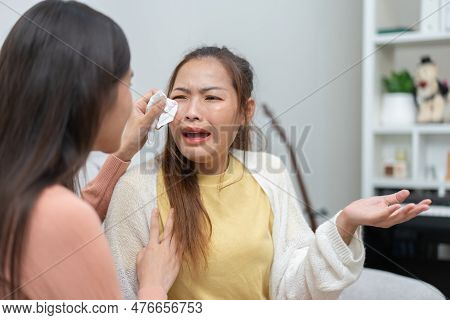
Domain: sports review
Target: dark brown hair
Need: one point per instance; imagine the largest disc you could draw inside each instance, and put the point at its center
(59, 70)
(192, 225)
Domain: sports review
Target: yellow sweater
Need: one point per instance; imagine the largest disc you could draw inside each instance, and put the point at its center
(241, 247)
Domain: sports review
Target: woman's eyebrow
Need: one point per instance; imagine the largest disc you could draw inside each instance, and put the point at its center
(182, 89)
(203, 90)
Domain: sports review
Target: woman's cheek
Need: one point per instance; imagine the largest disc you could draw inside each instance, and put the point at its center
(173, 129)
(173, 126)
(178, 116)
(124, 104)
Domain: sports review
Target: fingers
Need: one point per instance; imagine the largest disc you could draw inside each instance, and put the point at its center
(426, 201)
(149, 94)
(146, 97)
(168, 229)
(402, 211)
(398, 197)
(170, 238)
(174, 250)
(142, 102)
(412, 209)
(408, 212)
(140, 255)
(154, 112)
(154, 227)
(417, 210)
(388, 211)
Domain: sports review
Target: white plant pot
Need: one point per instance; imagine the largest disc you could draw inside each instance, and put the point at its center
(398, 109)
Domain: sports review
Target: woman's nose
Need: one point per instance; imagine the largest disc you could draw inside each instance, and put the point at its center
(193, 111)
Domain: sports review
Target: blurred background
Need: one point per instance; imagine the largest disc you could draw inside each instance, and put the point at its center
(359, 86)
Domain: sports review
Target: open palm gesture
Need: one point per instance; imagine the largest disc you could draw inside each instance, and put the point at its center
(384, 211)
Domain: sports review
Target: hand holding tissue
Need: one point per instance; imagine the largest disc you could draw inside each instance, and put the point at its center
(170, 109)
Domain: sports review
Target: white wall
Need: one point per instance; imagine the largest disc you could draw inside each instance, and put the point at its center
(294, 47)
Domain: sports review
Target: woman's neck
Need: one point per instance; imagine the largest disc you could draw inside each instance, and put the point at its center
(217, 166)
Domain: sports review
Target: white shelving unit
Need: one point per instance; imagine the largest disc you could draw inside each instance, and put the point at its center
(426, 144)
(405, 38)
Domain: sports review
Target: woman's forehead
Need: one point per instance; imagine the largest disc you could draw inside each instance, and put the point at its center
(201, 73)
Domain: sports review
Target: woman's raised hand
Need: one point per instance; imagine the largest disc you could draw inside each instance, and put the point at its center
(381, 211)
(138, 125)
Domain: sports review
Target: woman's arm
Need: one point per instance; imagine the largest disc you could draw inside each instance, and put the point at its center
(308, 265)
(321, 265)
(159, 262)
(126, 229)
(128, 232)
(99, 191)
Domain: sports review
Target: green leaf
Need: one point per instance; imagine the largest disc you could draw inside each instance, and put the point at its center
(398, 82)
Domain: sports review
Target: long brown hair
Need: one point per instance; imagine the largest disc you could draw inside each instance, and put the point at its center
(192, 226)
(59, 70)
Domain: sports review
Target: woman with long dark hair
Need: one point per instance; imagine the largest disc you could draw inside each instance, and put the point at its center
(64, 91)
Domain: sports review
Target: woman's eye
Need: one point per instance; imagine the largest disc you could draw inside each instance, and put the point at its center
(212, 98)
(179, 97)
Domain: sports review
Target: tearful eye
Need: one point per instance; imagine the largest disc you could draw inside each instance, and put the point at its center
(179, 98)
(212, 98)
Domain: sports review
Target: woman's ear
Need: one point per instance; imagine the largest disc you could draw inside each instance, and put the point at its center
(249, 111)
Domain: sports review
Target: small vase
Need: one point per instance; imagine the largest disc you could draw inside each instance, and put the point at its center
(398, 109)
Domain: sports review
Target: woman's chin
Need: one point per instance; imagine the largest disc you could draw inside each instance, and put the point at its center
(197, 154)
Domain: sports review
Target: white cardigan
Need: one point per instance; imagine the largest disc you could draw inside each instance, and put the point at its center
(305, 265)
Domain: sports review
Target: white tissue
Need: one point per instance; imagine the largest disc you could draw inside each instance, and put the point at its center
(170, 109)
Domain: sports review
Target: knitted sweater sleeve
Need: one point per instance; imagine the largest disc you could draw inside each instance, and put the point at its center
(98, 192)
(127, 227)
(308, 265)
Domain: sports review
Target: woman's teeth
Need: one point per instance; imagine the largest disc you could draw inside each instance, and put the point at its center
(196, 134)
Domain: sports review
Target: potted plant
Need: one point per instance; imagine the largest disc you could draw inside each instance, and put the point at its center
(398, 106)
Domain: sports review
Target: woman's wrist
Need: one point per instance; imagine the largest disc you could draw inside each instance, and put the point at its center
(346, 227)
(123, 155)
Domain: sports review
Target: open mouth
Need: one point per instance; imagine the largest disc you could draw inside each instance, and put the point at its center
(195, 134)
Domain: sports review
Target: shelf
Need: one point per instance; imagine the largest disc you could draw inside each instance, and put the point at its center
(393, 130)
(409, 184)
(421, 129)
(426, 145)
(411, 38)
(433, 129)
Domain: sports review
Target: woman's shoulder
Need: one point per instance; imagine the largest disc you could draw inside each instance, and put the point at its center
(65, 240)
(61, 204)
(137, 185)
(60, 215)
(132, 201)
(140, 174)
